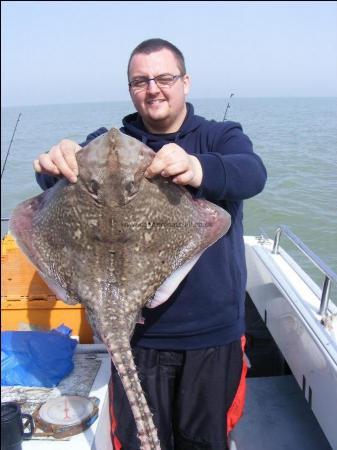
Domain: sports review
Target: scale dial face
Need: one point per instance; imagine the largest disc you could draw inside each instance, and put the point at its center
(66, 410)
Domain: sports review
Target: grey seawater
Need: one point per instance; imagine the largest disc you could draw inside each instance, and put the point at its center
(296, 138)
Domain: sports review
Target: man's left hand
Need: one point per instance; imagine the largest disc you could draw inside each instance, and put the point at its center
(172, 161)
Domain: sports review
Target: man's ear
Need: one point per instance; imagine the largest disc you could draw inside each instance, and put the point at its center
(187, 83)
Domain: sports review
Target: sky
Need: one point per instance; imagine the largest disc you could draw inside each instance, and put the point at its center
(69, 52)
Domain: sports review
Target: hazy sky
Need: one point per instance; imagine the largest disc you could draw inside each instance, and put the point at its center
(64, 52)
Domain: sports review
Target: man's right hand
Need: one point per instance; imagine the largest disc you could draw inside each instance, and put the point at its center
(60, 160)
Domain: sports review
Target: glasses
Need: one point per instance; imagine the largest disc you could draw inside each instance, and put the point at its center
(162, 81)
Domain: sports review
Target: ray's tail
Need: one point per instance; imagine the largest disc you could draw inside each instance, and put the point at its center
(122, 358)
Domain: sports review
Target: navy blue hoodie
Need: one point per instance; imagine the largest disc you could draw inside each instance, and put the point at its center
(207, 309)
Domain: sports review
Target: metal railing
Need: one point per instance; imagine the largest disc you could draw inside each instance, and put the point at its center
(327, 272)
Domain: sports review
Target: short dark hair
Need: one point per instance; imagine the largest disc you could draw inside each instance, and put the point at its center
(156, 44)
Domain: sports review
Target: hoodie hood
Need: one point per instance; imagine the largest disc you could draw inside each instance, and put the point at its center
(133, 126)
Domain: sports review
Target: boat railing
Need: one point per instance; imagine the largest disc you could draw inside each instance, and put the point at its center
(329, 275)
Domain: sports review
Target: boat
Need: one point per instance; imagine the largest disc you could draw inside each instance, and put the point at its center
(292, 392)
(291, 349)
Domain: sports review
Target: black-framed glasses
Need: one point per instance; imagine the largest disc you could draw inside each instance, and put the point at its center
(162, 81)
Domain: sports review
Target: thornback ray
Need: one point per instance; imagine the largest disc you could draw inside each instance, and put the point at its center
(114, 239)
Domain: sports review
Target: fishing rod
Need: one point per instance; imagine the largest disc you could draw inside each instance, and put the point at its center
(10, 144)
(6, 219)
(227, 107)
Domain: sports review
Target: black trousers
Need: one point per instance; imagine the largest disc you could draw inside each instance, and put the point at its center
(189, 393)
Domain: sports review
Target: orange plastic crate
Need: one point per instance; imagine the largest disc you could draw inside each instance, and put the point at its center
(25, 297)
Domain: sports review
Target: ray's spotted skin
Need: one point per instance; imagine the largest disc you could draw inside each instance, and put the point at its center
(110, 240)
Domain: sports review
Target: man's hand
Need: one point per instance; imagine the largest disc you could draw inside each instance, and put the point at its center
(60, 160)
(172, 161)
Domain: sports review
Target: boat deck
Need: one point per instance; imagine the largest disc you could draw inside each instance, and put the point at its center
(277, 417)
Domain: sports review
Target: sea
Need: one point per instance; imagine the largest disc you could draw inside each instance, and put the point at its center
(296, 138)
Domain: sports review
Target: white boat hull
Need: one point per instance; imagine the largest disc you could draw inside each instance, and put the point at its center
(288, 301)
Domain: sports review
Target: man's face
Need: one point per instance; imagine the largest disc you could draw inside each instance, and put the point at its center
(162, 109)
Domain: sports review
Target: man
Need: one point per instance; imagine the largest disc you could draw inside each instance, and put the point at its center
(188, 352)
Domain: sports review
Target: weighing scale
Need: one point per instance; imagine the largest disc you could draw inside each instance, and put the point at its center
(66, 415)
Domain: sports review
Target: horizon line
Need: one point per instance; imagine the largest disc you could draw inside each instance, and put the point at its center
(191, 100)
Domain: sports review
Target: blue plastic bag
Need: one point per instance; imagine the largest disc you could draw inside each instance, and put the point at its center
(35, 358)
